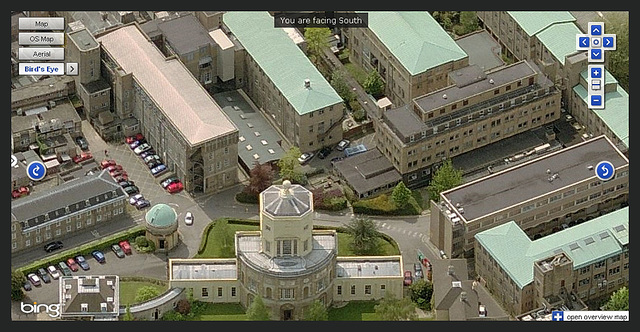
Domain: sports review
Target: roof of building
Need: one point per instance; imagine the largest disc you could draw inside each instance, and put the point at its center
(367, 171)
(203, 269)
(96, 21)
(92, 291)
(482, 49)
(521, 183)
(584, 243)
(286, 200)
(615, 113)
(533, 22)
(42, 88)
(365, 267)
(62, 112)
(68, 198)
(282, 61)
(186, 104)
(83, 39)
(185, 34)
(415, 39)
(560, 39)
(161, 215)
(221, 39)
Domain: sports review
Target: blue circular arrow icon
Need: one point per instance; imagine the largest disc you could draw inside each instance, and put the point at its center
(36, 170)
(605, 170)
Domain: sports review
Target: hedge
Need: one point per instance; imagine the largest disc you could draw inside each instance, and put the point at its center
(384, 205)
(244, 197)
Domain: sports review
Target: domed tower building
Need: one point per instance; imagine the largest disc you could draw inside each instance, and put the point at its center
(287, 262)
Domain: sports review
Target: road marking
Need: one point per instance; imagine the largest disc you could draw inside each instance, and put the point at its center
(404, 231)
(383, 224)
(415, 234)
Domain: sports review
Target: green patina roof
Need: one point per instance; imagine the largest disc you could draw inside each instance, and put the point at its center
(415, 39)
(282, 60)
(161, 215)
(560, 39)
(615, 113)
(516, 253)
(533, 22)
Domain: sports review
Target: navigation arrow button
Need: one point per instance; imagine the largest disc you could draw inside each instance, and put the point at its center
(71, 68)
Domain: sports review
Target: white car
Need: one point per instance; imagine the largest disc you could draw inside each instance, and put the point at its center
(133, 199)
(142, 148)
(188, 218)
(305, 157)
(343, 144)
(55, 274)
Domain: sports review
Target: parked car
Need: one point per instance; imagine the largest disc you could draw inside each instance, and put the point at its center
(188, 218)
(324, 152)
(343, 144)
(42, 273)
(142, 203)
(114, 168)
(136, 137)
(408, 279)
(142, 148)
(117, 250)
(153, 164)
(27, 285)
(34, 279)
(82, 143)
(55, 274)
(99, 256)
(51, 246)
(156, 171)
(417, 268)
(82, 157)
(175, 187)
(106, 163)
(305, 157)
(126, 183)
(126, 247)
(166, 182)
(133, 199)
(72, 264)
(152, 157)
(82, 262)
(117, 173)
(22, 191)
(443, 255)
(131, 190)
(121, 177)
(147, 153)
(135, 144)
(64, 269)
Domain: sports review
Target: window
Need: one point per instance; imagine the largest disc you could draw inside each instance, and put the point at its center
(219, 291)
(205, 292)
(339, 290)
(367, 289)
(353, 289)
(233, 291)
(286, 293)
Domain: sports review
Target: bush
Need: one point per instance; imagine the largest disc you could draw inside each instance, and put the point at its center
(244, 197)
(183, 307)
(332, 200)
(143, 244)
(384, 205)
(359, 115)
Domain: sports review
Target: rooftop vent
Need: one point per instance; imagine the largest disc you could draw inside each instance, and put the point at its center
(590, 167)
(444, 96)
(307, 83)
(491, 81)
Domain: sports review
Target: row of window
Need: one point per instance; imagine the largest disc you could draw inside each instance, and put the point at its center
(367, 289)
(205, 291)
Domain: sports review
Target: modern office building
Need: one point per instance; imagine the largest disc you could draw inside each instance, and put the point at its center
(177, 116)
(410, 50)
(562, 270)
(67, 209)
(283, 83)
(541, 195)
(477, 109)
(288, 263)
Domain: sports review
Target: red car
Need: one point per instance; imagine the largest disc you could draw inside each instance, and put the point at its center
(175, 187)
(71, 263)
(116, 173)
(82, 157)
(124, 244)
(106, 163)
(22, 191)
(134, 138)
(113, 168)
(408, 279)
(121, 177)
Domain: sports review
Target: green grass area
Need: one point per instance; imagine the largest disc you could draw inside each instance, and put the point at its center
(215, 247)
(128, 290)
(356, 72)
(354, 311)
(221, 312)
(344, 243)
(417, 195)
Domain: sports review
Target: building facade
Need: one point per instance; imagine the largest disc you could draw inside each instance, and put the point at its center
(42, 93)
(542, 196)
(477, 109)
(412, 53)
(283, 83)
(563, 270)
(68, 209)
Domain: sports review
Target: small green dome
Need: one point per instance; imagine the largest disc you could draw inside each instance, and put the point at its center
(161, 215)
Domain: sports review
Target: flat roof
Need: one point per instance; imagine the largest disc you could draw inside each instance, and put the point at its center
(518, 184)
(367, 171)
(282, 61)
(415, 38)
(533, 22)
(182, 99)
(203, 269)
(185, 34)
(41, 88)
(221, 39)
(560, 39)
(482, 49)
(584, 243)
(354, 267)
(83, 39)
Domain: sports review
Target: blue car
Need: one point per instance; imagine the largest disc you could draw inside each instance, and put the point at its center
(82, 262)
(156, 171)
(99, 256)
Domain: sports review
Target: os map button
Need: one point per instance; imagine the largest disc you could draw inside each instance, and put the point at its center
(36, 171)
(605, 170)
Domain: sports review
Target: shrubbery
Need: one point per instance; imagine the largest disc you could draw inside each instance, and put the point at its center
(244, 197)
(331, 200)
(384, 205)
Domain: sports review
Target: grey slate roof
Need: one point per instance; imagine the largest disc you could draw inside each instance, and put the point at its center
(367, 171)
(185, 34)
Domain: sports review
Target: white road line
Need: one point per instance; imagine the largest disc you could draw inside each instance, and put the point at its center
(415, 234)
(404, 231)
(383, 224)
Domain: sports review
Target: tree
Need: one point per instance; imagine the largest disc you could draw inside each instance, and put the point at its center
(317, 40)
(17, 281)
(146, 293)
(183, 307)
(290, 167)
(619, 300)
(339, 83)
(316, 312)
(618, 61)
(373, 84)
(468, 22)
(365, 236)
(401, 195)
(260, 178)
(257, 310)
(446, 177)
(393, 309)
(421, 292)
(128, 316)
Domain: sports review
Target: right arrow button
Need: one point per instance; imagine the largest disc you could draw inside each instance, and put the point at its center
(71, 68)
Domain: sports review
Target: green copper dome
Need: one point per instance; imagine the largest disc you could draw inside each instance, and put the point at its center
(161, 215)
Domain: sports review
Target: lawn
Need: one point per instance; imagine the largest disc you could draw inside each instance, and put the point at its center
(356, 72)
(128, 290)
(344, 242)
(354, 311)
(222, 312)
(214, 248)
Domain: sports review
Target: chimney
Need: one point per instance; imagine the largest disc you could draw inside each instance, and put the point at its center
(450, 270)
(307, 83)
(463, 296)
